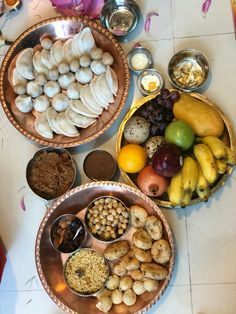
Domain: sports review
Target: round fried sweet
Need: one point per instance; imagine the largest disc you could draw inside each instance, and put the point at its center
(154, 271)
(138, 287)
(150, 285)
(142, 255)
(137, 216)
(160, 251)
(154, 227)
(116, 250)
(126, 283)
(113, 282)
(142, 239)
(129, 297)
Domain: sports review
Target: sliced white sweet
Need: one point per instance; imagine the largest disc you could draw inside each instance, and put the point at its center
(24, 103)
(17, 78)
(88, 100)
(60, 102)
(107, 58)
(104, 88)
(20, 89)
(74, 65)
(56, 52)
(86, 41)
(33, 89)
(38, 65)
(73, 91)
(85, 60)
(65, 126)
(41, 103)
(67, 50)
(24, 64)
(63, 67)
(46, 42)
(52, 120)
(51, 88)
(84, 75)
(40, 79)
(97, 94)
(96, 53)
(112, 80)
(78, 119)
(46, 59)
(53, 74)
(98, 67)
(75, 45)
(65, 80)
(77, 106)
(42, 126)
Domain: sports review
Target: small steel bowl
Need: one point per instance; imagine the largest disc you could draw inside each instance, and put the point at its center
(136, 50)
(77, 274)
(120, 17)
(99, 165)
(32, 163)
(97, 237)
(71, 224)
(150, 72)
(188, 70)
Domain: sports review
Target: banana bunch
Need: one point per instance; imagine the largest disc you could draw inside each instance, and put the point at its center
(211, 158)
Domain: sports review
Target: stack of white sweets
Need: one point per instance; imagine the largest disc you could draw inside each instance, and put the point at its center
(66, 85)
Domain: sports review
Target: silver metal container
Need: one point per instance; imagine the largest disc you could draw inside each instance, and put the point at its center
(120, 17)
(140, 50)
(188, 70)
(157, 75)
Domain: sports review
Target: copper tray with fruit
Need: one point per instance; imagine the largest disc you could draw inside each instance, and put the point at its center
(177, 148)
(140, 271)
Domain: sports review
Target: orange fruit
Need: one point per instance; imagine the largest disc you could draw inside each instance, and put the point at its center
(132, 158)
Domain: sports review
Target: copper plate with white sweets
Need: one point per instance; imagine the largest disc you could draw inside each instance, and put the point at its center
(140, 283)
(64, 81)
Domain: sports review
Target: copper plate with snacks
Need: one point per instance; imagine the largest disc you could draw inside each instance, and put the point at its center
(139, 273)
(149, 144)
(64, 81)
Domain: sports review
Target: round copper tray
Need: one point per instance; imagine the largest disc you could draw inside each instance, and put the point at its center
(49, 262)
(228, 137)
(64, 27)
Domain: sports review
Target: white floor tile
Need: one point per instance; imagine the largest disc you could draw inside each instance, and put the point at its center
(214, 299)
(189, 21)
(211, 237)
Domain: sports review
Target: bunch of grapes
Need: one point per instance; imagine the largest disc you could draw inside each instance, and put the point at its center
(159, 111)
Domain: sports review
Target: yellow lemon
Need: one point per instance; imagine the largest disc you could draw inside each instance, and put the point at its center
(132, 158)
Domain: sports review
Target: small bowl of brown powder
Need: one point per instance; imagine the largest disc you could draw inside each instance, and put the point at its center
(51, 172)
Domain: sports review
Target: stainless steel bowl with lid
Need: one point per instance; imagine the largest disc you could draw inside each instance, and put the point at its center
(120, 17)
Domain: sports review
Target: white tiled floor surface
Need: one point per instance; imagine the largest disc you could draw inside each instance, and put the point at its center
(204, 280)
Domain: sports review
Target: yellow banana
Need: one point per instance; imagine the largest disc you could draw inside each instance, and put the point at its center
(189, 174)
(217, 147)
(221, 166)
(202, 181)
(204, 194)
(206, 161)
(230, 157)
(186, 198)
(175, 190)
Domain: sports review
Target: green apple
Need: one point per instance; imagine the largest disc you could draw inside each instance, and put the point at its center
(180, 133)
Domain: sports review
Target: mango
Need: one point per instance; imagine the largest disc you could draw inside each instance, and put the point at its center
(203, 118)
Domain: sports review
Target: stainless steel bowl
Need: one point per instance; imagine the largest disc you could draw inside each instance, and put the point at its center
(72, 256)
(120, 17)
(188, 70)
(141, 50)
(59, 228)
(150, 72)
(31, 163)
(97, 237)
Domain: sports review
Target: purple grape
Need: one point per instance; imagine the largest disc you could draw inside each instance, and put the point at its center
(159, 100)
(162, 126)
(165, 93)
(169, 116)
(168, 104)
(154, 130)
(167, 160)
(150, 107)
(159, 116)
(175, 96)
(143, 113)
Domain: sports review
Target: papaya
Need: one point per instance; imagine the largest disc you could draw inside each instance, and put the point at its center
(203, 118)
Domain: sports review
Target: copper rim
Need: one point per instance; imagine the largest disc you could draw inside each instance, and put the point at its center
(230, 133)
(111, 185)
(75, 142)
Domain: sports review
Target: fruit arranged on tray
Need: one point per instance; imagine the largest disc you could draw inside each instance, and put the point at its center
(139, 266)
(173, 148)
(66, 85)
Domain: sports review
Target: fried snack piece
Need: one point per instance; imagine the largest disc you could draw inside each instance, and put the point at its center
(136, 274)
(137, 216)
(119, 269)
(150, 285)
(160, 251)
(153, 226)
(142, 255)
(129, 297)
(138, 287)
(129, 261)
(142, 239)
(154, 271)
(116, 250)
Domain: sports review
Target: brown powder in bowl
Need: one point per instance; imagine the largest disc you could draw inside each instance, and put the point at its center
(51, 174)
